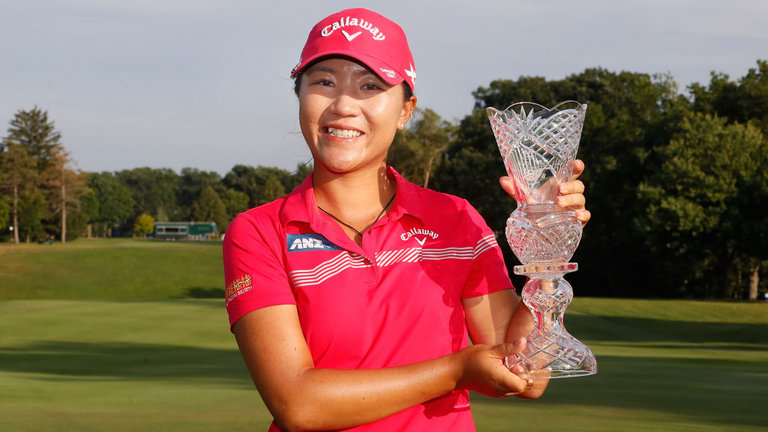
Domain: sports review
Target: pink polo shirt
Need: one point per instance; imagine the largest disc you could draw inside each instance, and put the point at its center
(394, 300)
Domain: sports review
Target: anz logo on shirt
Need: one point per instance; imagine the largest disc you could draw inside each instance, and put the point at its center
(309, 242)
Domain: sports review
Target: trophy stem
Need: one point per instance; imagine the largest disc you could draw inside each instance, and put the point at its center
(551, 351)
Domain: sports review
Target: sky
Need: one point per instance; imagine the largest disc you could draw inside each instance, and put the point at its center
(205, 83)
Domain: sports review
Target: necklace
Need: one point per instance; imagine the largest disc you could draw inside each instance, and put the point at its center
(353, 228)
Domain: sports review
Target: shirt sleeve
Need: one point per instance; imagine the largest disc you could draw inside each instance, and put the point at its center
(254, 271)
(489, 273)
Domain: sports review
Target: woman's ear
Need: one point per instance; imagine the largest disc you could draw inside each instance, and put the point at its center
(407, 111)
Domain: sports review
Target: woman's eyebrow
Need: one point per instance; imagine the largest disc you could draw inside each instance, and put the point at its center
(321, 68)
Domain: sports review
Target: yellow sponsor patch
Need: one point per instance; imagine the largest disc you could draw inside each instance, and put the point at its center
(238, 286)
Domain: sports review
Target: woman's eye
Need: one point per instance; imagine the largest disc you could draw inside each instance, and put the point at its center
(371, 86)
(324, 82)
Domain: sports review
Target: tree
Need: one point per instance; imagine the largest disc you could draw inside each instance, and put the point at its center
(115, 203)
(742, 101)
(191, 183)
(700, 211)
(629, 116)
(5, 213)
(144, 225)
(65, 186)
(235, 202)
(153, 191)
(33, 208)
(260, 184)
(36, 134)
(17, 174)
(210, 208)
(417, 150)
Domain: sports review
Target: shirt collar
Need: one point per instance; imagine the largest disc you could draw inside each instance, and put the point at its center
(408, 200)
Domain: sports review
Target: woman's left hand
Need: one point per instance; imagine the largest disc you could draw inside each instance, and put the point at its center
(571, 192)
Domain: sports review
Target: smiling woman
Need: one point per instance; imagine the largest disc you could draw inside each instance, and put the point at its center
(353, 298)
(349, 116)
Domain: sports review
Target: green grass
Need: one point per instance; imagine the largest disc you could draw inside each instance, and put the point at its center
(663, 366)
(93, 358)
(72, 365)
(111, 269)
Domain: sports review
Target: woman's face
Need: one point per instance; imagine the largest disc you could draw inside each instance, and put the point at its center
(349, 115)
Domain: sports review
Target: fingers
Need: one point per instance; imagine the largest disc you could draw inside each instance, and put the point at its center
(571, 195)
(578, 168)
(520, 380)
(508, 184)
(583, 216)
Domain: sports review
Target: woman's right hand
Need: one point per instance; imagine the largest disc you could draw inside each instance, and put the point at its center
(484, 371)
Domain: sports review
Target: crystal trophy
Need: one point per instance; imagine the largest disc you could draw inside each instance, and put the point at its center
(538, 145)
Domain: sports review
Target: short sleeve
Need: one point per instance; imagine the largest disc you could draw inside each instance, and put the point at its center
(254, 271)
(489, 273)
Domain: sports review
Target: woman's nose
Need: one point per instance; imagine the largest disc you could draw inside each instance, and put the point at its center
(345, 104)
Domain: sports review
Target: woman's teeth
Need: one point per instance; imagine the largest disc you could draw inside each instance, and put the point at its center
(344, 133)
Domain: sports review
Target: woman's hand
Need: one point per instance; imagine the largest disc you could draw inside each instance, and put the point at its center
(484, 371)
(571, 193)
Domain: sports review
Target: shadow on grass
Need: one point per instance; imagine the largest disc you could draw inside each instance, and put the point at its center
(623, 329)
(717, 392)
(125, 361)
(713, 390)
(204, 293)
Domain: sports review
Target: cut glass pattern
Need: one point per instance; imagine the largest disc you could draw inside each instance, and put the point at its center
(538, 146)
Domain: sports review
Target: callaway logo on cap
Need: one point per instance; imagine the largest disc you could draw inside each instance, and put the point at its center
(366, 36)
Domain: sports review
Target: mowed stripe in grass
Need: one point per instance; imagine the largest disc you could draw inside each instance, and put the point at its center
(111, 269)
(161, 365)
(655, 374)
(123, 366)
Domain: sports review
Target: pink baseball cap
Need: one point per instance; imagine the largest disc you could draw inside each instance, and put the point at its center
(364, 35)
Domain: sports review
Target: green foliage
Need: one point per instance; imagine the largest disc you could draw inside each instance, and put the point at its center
(115, 203)
(699, 208)
(630, 115)
(417, 151)
(33, 209)
(673, 181)
(17, 174)
(144, 225)
(190, 185)
(263, 184)
(153, 191)
(252, 181)
(36, 134)
(745, 100)
(235, 202)
(5, 213)
(210, 208)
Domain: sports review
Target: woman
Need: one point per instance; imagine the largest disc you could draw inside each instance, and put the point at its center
(353, 298)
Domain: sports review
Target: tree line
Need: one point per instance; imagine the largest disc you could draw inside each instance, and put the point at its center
(43, 196)
(676, 180)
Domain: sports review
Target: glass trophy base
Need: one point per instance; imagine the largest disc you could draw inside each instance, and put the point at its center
(559, 356)
(551, 352)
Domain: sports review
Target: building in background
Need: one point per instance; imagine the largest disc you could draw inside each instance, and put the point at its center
(186, 231)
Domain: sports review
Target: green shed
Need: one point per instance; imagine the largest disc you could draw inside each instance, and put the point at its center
(185, 230)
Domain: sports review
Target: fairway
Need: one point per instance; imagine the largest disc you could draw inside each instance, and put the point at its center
(169, 363)
(112, 269)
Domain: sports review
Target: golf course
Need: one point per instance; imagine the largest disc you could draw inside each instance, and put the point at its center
(132, 335)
